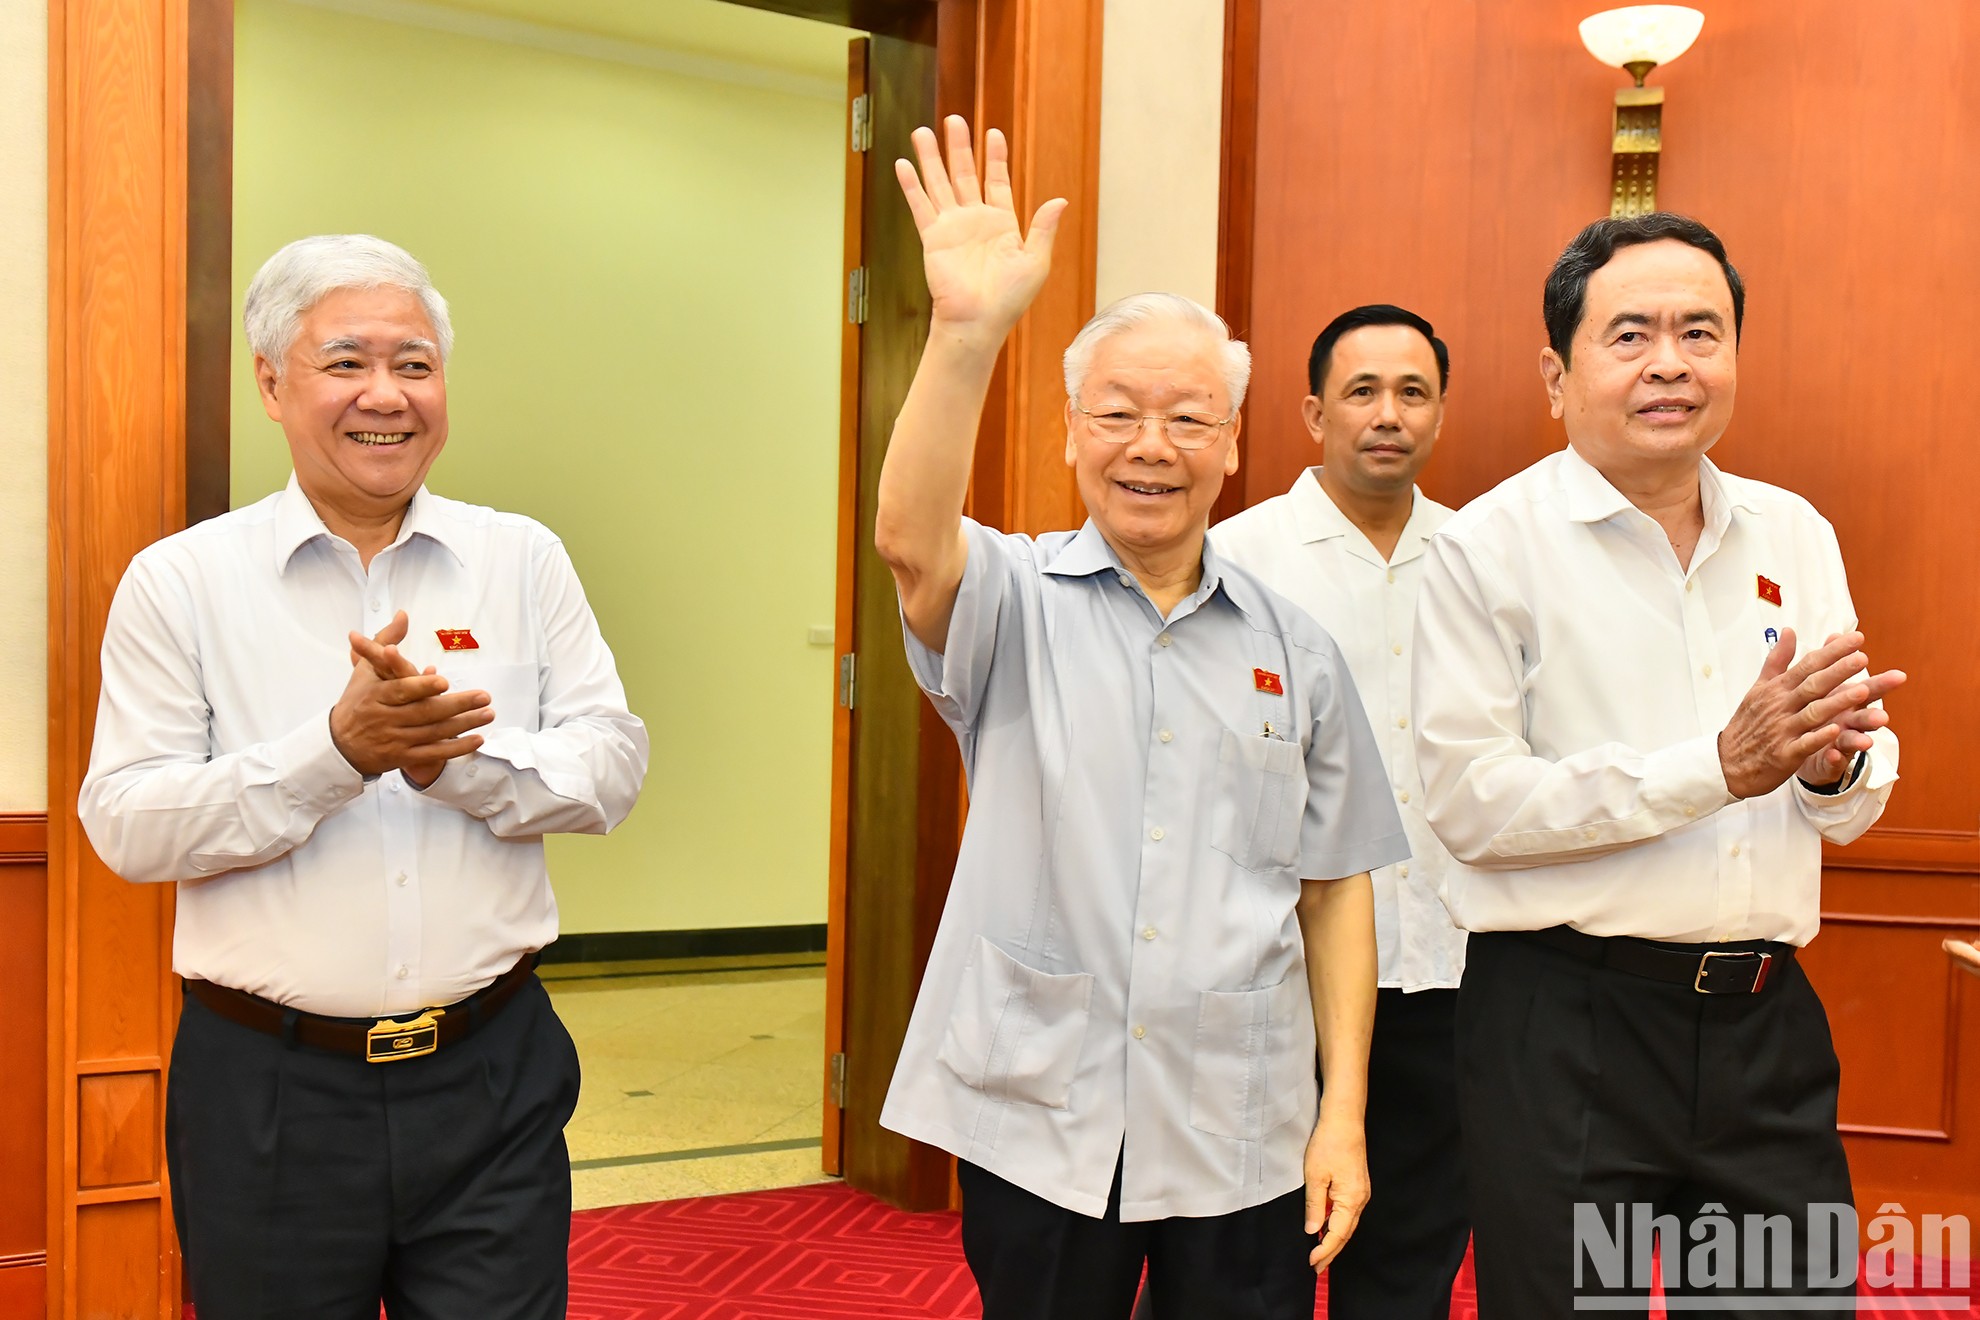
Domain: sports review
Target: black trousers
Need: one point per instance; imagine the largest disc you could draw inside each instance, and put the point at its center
(1037, 1261)
(1405, 1254)
(312, 1186)
(1584, 1086)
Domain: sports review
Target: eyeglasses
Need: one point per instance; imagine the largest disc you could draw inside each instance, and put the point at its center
(1184, 430)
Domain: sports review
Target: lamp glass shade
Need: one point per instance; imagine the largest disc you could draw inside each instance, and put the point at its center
(1653, 34)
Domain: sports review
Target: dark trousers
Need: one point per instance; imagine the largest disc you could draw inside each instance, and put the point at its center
(312, 1186)
(1405, 1254)
(1036, 1261)
(1580, 1084)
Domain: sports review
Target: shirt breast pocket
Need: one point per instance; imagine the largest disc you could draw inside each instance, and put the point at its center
(511, 689)
(1260, 801)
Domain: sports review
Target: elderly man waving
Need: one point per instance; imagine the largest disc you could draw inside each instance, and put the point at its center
(1174, 803)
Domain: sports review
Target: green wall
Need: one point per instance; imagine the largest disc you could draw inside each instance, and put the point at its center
(644, 272)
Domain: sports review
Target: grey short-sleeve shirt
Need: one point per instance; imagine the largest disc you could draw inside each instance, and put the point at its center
(1119, 967)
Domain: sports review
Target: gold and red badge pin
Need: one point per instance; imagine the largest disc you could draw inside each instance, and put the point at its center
(1770, 590)
(456, 639)
(1267, 681)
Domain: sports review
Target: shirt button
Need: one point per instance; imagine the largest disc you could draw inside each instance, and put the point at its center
(1156, 834)
(1397, 648)
(1139, 1032)
(1166, 736)
(1392, 575)
(1691, 811)
(470, 772)
(1589, 835)
(1708, 671)
(397, 784)
(1148, 933)
(399, 879)
(374, 602)
(1404, 796)
(1403, 870)
(403, 972)
(1163, 640)
(1688, 584)
(1402, 721)
(1735, 850)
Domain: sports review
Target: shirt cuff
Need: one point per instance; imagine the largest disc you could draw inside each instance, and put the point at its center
(1685, 782)
(309, 765)
(466, 782)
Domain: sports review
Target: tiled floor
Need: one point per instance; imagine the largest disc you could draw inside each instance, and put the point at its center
(700, 1076)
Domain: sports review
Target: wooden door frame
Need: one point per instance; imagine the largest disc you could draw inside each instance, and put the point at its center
(139, 288)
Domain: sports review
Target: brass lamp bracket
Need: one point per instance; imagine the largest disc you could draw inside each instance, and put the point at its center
(1638, 143)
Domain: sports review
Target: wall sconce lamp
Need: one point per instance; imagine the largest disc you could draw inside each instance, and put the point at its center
(1639, 38)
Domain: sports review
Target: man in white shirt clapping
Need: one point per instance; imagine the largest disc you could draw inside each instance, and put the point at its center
(1346, 545)
(1641, 705)
(342, 719)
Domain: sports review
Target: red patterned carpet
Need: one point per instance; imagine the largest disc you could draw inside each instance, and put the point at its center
(804, 1253)
(823, 1252)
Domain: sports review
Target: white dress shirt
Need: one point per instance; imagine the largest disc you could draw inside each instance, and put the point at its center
(1570, 685)
(299, 881)
(1302, 546)
(1119, 969)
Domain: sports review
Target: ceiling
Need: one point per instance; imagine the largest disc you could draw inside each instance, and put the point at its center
(713, 29)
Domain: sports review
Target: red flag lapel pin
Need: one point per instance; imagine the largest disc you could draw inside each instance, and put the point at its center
(1770, 590)
(456, 639)
(1267, 681)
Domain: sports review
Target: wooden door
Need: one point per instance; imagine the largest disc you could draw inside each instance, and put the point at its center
(1032, 68)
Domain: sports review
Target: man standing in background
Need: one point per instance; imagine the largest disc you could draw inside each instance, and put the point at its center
(1346, 545)
(342, 719)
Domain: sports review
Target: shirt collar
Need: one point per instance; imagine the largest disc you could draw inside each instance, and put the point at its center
(297, 524)
(1590, 497)
(1317, 518)
(1088, 553)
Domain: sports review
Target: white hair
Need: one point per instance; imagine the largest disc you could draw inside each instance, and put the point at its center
(1139, 309)
(306, 271)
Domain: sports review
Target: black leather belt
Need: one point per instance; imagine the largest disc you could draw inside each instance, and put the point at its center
(375, 1040)
(1741, 969)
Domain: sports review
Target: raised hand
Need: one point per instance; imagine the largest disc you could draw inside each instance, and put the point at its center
(982, 271)
(1811, 716)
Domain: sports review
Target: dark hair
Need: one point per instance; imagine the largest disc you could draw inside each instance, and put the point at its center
(1322, 356)
(1593, 248)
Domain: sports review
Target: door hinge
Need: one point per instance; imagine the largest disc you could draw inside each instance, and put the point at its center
(839, 1080)
(862, 125)
(856, 296)
(848, 681)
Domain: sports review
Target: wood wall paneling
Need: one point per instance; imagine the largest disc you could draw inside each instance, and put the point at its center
(138, 309)
(1438, 154)
(23, 1039)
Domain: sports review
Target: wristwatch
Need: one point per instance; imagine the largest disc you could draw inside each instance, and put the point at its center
(1842, 785)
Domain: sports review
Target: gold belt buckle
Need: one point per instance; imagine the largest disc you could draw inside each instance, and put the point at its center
(389, 1041)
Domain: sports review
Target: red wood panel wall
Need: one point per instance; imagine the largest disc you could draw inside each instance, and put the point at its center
(23, 1044)
(1438, 154)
